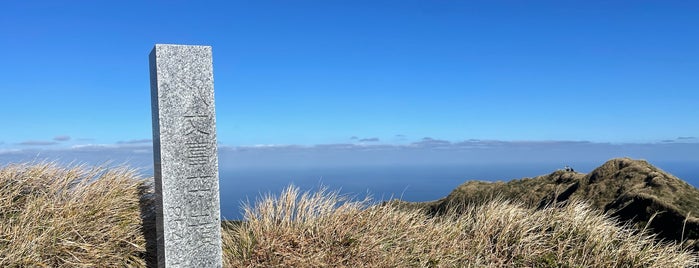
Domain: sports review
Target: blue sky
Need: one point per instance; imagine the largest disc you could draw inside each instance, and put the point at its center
(299, 74)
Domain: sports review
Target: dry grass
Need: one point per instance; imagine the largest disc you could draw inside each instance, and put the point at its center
(80, 217)
(322, 229)
(77, 217)
(631, 190)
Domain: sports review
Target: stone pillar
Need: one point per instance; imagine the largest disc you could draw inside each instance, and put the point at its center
(188, 220)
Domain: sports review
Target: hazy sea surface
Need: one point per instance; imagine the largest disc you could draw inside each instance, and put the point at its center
(410, 183)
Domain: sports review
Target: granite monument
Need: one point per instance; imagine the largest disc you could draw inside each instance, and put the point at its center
(188, 219)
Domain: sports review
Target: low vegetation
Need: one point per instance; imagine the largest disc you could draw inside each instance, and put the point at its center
(56, 217)
(632, 191)
(94, 217)
(323, 229)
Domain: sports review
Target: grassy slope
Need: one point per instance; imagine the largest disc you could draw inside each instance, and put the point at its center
(321, 230)
(57, 217)
(631, 190)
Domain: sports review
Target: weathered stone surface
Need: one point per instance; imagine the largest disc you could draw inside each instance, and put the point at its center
(185, 156)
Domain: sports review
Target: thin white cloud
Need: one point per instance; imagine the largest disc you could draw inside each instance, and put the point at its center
(9, 151)
(61, 138)
(433, 143)
(137, 141)
(37, 143)
(93, 146)
(335, 146)
(259, 147)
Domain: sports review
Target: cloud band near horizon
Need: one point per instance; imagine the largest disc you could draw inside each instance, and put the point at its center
(428, 151)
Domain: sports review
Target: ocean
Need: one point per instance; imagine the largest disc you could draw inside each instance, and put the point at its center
(409, 183)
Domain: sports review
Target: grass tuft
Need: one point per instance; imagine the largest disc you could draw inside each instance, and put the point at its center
(57, 217)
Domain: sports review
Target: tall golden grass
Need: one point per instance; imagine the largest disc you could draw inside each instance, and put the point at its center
(69, 217)
(90, 217)
(324, 229)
